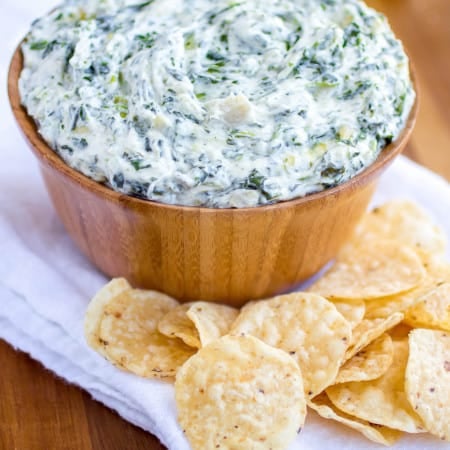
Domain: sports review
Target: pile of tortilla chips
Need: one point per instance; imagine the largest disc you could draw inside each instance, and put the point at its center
(368, 345)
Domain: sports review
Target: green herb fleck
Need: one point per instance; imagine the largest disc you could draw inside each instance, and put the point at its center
(213, 16)
(216, 68)
(332, 172)
(361, 87)
(352, 35)
(215, 56)
(189, 41)
(121, 104)
(38, 45)
(146, 40)
(255, 181)
(70, 50)
(82, 113)
(103, 68)
(135, 160)
(400, 105)
(200, 95)
(67, 148)
(139, 6)
(81, 143)
(242, 134)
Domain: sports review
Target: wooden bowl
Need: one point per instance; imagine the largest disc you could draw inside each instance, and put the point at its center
(226, 255)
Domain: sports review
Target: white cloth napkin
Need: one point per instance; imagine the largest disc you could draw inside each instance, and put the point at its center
(45, 283)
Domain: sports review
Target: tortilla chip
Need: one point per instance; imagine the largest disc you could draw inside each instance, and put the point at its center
(382, 401)
(371, 269)
(306, 326)
(131, 340)
(433, 310)
(370, 363)
(428, 379)
(211, 320)
(437, 274)
(376, 433)
(239, 393)
(94, 312)
(176, 324)
(386, 306)
(369, 330)
(405, 222)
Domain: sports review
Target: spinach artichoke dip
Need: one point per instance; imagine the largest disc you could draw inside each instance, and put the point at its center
(216, 103)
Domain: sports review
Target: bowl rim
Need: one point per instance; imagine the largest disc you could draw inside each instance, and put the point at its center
(46, 154)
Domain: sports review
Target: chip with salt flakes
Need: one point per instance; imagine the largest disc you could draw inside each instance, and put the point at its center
(376, 433)
(239, 393)
(382, 401)
(306, 326)
(433, 310)
(370, 363)
(428, 379)
(372, 269)
(211, 320)
(130, 337)
(369, 330)
(177, 324)
(94, 312)
(405, 222)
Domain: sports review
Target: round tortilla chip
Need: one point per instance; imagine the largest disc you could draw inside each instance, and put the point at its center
(211, 320)
(176, 324)
(239, 393)
(382, 401)
(432, 311)
(427, 382)
(376, 433)
(371, 269)
(370, 363)
(94, 312)
(131, 340)
(306, 326)
(407, 223)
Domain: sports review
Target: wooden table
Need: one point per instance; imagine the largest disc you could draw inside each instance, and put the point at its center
(39, 411)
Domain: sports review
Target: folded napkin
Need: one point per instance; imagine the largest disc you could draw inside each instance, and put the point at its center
(46, 284)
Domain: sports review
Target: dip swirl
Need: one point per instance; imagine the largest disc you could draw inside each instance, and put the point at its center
(216, 103)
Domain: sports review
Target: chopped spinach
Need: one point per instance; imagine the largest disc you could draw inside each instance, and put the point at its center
(146, 40)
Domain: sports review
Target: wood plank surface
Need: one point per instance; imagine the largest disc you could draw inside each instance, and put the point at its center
(39, 411)
(424, 29)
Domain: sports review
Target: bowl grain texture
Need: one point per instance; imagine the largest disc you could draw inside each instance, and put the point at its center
(191, 253)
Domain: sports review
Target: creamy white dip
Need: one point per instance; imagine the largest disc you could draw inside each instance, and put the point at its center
(216, 103)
